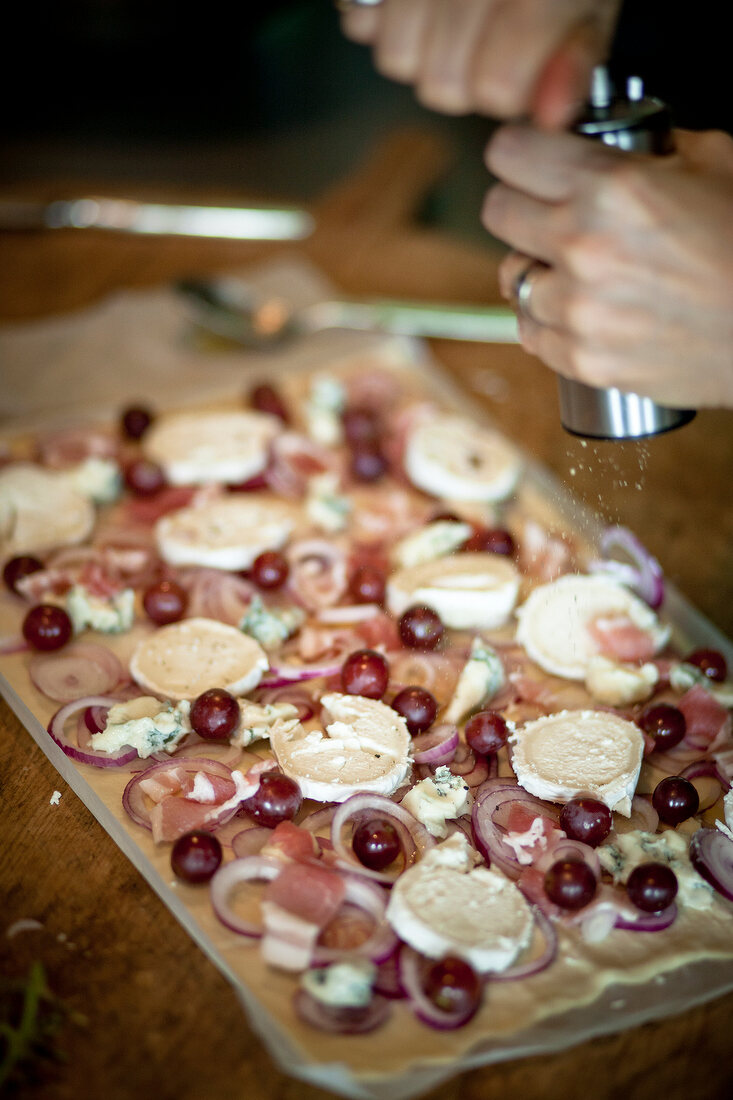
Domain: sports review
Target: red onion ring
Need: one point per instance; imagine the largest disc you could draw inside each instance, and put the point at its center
(13, 643)
(378, 805)
(133, 799)
(538, 963)
(711, 853)
(437, 746)
(282, 675)
(318, 575)
(644, 575)
(488, 837)
(353, 613)
(707, 768)
(81, 669)
(410, 966)
(216, 594)
(341, 1020)
(231, 875)
(288, 693)
(372, 898)
(98, 759)
(250, 842)
(648, 922)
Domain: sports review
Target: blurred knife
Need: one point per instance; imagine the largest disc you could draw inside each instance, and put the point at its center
(127, 216)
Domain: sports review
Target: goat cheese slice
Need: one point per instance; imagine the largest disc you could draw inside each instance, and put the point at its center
(443, 905)
(454, 458)
(554, 621)
(578, 752)
(197, 448)
(184, 659)
(224, 534)
(364, 747)
(40, 510)
(468, 591)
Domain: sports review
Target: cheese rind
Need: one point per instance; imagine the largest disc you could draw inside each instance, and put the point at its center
(184, 659)
(364, 747)
(454, 458)
(468, 591)
(576, 752)
(225, 534)
(199, 448)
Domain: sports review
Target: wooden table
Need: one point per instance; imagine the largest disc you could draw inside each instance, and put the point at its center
(156, 1018)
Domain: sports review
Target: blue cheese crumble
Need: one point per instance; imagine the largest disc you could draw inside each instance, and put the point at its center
(435, 540)
(99, 479)
(628, 850)
(144, 724)
(480, 679)
(433, 801)
(270, 628)
(257, 719)
(342, 984)
(325, 508)
(326, 401)
(112, 615)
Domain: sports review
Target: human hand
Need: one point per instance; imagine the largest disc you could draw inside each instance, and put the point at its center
(639, 289)
(505, 60)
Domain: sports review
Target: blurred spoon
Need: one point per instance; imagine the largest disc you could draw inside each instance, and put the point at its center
(228, 309)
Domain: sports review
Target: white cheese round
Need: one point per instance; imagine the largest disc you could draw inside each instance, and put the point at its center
(197, 448)
(440, 907)
(553, 621)
(40, 510)
(184, 659)
(468, 591)
(576, 752)
(454, 458)
(365, 747)
(228, 533)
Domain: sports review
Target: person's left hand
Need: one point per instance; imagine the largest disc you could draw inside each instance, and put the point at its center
(638, 291)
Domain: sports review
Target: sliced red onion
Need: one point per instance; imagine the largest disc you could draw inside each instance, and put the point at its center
(644, 574)
(372, 898)
(537, 963)
(318, 574)
(231, 875)
(13, 643)
(378, 805)
(565, 848)
(133, 799)
(281, 675)
(488, 837)
(216, 594)
(250, 842)
(711, 853)
(437, 746)
(98, 759)
(81, 669)
(288, 693)
(643, 814)
(410, 969)
(353, 613)
(708, 769)
(647, 922)
(388, 981)
(341, 1020)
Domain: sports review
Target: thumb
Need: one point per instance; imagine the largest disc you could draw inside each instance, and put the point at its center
(563, 84)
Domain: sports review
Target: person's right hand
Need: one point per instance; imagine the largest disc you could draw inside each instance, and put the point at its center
(501, 58)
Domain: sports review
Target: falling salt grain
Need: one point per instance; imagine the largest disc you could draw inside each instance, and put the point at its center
(55, 798)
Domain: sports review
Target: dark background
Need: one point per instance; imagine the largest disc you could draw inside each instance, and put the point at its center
(268, 96)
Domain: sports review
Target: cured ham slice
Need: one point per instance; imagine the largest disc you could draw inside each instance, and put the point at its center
(619, 637)
(708, 722)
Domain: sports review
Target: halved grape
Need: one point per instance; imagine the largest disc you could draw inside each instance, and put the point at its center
(376, 843)
(368, 463)
(490, 540)
(196, 856)
(367, 585)
(265, 398)
(270, 569)
(665, 723)
(215, 714)
(486, 732)
(365, 672)
(711, 662)
(144, 477)
(17, 568)
(570, 883)
(165, 602)
(135, 421)
(417, 706)
(586, 819)
(675, 799)
(453, 986)
(652, 887)
(277, 799)
(47, 627)
(420, 628)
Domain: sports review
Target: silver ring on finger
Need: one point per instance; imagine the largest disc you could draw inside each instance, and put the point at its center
(523, 285)
(345, 5)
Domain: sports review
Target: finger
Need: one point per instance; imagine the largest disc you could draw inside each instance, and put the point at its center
(549, 166)
(515, 44)
(401, 36)
(511, 267)
(563, 83)
(444, 74)
(360, 22)
(524, 223)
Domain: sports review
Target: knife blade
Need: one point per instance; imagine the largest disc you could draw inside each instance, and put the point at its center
(253, 223)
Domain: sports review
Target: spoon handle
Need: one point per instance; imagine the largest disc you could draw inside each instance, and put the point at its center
(488, 324)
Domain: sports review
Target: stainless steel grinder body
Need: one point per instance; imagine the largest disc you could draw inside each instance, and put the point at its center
(642, 124)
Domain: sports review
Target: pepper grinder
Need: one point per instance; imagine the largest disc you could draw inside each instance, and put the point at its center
(640, 124)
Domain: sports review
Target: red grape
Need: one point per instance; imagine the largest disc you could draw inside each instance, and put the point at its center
(453, 986)
(709, 661)
(665, 723)
(196, 856)
(417, 706)
(420, 628)
(47, 627)
(367, 462)
(490, 540)
(360, 426)
(675, 799)
(135, 421)
(165, 602)
(486, 732)
(365, 672)
(17, 568)
(215, 715)
(144, 477)
(277, 799)
(376, 843)
(367, 585)
(570, 883)
(586, 819)
(652, 886)
(265, 398)
(270, 569)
